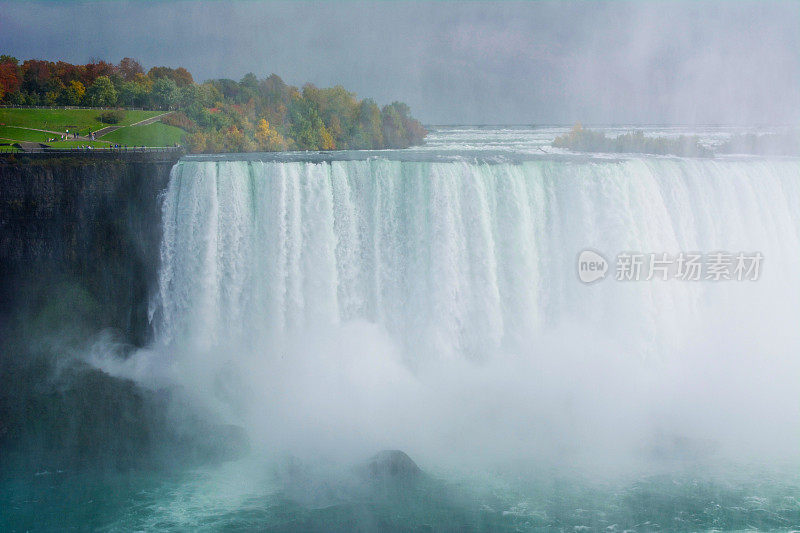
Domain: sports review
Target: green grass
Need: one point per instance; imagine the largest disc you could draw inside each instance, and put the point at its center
(63, 119)
(15, 125)
(21, 134)
(155, 134)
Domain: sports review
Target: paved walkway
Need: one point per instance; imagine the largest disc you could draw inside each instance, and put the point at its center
(31, 146)
(150, 120)
(57, 134)
(103, 131)
(36, 129)
(108, 129)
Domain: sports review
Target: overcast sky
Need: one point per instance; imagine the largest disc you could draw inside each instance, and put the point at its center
(453, 62)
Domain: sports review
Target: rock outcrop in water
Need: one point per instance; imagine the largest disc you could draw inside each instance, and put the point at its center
(391, 464)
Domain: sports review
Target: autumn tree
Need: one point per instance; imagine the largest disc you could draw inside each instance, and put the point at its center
(37, 76)
(129, 68)
(74, 93)
(267, 138)
(219, 115)
(180, 75)
(10, 77)
(67, 72)
(97, 68)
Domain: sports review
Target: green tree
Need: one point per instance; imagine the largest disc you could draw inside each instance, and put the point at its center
(368, 131)
(133, 94)
(102, 93)
(230, 90)
(249, 81)
(307, 128)
(338, 108)
(188, 96)
(165, 93)
(209, 95)
(400, 130)
(16, 98)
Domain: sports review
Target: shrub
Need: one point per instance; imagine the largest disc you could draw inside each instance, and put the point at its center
(584, 140)
(180, 120)
(112, 117)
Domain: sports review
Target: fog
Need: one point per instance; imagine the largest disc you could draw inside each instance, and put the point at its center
(460, 63)
(571, 405)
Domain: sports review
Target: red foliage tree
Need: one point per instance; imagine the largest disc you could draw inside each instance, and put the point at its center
(129, 68)
(96, 68)
(10, 77)
(37, 75)
(180, 75)
(67, 72)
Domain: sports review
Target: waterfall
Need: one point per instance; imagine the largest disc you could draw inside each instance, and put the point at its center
(464, 259)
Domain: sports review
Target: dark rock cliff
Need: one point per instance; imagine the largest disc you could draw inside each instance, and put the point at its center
(79, 248)
(89, 222)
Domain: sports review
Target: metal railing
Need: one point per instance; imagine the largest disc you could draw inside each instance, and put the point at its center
(13, 106)
(104, 150)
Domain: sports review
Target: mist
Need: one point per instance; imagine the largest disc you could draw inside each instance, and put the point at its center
(461, 63)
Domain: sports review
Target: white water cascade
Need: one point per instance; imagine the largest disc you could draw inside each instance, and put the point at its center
(470, 268)
(457, 259)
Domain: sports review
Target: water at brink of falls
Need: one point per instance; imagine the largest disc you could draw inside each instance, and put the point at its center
(428, 300)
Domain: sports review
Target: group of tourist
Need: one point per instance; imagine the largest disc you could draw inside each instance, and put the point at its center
(110, 146)
(74, 135)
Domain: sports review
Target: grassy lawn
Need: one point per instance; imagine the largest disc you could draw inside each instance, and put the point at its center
(155, 134)
(21, 134)
(14, 124)
(63, 119)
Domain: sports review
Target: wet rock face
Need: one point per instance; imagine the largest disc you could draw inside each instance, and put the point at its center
(79, 245)
(392, 464)
(89, 222)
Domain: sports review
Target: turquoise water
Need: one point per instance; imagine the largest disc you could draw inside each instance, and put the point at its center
(216, 500)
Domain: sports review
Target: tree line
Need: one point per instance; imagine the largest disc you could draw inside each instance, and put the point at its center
(635, 142)
(219, 115)
(580, 139)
